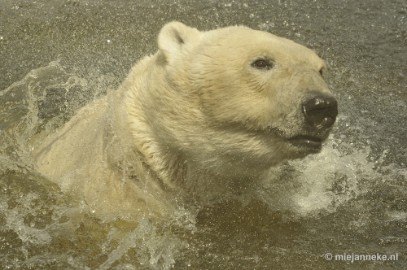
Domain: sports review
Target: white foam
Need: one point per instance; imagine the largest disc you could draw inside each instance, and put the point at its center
(319, 182)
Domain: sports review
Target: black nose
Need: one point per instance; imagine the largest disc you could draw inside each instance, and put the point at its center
(320, 110)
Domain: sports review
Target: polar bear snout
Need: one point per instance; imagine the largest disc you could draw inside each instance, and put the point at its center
(320, 111)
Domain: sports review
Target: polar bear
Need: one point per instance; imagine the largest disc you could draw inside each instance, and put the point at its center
(205, 116)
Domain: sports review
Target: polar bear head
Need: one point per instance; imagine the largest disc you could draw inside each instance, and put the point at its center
(236, 100)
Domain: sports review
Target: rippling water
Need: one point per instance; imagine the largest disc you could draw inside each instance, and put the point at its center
(351, 198)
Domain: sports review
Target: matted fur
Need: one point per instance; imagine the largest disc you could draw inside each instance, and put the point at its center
(193, 122)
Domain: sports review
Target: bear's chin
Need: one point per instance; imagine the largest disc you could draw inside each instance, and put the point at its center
(305, 143)
(301, 145)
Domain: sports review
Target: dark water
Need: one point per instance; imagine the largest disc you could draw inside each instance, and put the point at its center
(55, 56)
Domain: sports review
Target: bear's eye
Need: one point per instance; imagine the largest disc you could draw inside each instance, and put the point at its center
(264, 64)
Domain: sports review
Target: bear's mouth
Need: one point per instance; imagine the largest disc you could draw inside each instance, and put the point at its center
(303, 142)
(310, 142)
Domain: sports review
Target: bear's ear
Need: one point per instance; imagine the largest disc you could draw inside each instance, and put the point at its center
(176, 37)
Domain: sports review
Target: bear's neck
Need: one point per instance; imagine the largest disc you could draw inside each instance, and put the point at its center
(134, 151)
(156, 160)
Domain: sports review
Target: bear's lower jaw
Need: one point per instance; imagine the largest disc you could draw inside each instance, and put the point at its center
(310, 144)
